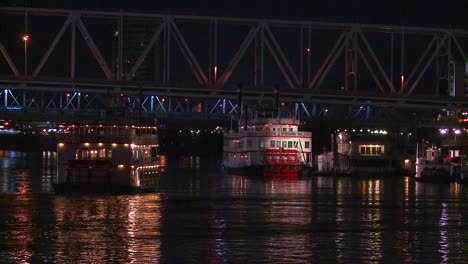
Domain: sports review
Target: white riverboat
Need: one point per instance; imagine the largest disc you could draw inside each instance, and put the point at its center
(268, 146)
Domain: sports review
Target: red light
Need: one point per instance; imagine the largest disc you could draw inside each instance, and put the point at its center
(308, 49)
(25, 38)
(402, 78)
(7, 124)
(121, 94)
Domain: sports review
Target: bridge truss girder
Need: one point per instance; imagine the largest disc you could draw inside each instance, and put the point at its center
(74, 99)
(217, 53)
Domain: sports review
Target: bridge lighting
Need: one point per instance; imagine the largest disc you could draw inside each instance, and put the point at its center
(443, 131)
(25, 39)
(457, 131)
(308, 50)
(402, 79)
(121, 94)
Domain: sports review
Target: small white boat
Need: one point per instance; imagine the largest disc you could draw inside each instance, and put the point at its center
(437, 164)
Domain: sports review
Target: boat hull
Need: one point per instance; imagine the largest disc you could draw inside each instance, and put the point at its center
(264, 171)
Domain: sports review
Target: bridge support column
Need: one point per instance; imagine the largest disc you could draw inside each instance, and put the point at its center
(6, 98)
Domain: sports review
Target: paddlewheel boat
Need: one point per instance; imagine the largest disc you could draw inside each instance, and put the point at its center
(110, 155)
(268, 146)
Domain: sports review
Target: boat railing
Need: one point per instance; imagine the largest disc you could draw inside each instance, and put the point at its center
(72, 138)
(145, 161)
(144, 139)
(268, 133)
(133, 139)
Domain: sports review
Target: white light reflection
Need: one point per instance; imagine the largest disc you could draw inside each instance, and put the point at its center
(444, 248)
(372, 220)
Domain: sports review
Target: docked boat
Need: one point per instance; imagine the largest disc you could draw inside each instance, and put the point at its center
(439, 164)
(268, 146)
(116, 154)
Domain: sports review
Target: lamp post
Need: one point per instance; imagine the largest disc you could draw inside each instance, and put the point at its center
(25, 39)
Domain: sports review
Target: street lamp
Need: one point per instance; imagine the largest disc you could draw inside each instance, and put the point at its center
(25, 39)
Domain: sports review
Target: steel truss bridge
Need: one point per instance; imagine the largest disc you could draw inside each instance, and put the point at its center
(69, 61)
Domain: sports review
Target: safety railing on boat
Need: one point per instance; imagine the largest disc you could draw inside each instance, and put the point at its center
(268, 133)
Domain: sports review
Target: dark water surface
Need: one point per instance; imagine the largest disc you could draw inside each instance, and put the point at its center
(199, 215)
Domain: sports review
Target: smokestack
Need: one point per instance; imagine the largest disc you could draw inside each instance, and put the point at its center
(243, 113)
(276, 103)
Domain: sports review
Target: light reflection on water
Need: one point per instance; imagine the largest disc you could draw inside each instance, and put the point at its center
(201, 216)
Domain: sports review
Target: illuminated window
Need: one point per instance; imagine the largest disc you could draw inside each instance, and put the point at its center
(102, 153)
(371, 150)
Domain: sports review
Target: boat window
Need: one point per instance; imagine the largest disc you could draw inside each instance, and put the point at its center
(307, 144)
(290, 144)
(136, 154)
(278, 144)
(102, 153)
(290, 129)
(154, 152)
(371, 150)
(284, 145)
(261, 143)
(272, 143)
(285, 129)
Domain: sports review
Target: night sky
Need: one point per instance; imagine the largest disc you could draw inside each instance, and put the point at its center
(426, 13)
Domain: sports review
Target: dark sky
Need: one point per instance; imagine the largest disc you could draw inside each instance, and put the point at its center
(427, 13)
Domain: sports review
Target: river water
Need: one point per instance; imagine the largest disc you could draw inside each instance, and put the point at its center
(199, 215)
